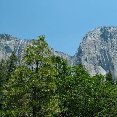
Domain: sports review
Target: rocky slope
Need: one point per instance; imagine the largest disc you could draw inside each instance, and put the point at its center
(98, 51)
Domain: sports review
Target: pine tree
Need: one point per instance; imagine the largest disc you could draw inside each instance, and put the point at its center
(3, 77)
(12, 62)
(7, 67)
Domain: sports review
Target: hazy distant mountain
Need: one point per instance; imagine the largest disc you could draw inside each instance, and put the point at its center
(97, 52)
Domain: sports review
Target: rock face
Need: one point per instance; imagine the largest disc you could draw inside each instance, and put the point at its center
(70, 59)
(98, 51)
(8, 44)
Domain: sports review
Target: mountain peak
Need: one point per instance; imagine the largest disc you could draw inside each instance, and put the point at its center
(7, 37)
(98, 51)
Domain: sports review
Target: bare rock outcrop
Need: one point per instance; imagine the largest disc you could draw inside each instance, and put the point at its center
(98, 51)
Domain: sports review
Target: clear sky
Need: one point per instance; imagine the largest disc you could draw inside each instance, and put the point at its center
(63, 22)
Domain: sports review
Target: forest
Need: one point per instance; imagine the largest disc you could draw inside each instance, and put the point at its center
(44, 85)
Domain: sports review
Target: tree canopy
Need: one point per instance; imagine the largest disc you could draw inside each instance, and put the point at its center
(44, 85)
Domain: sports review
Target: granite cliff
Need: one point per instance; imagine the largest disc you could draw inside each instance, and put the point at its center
(97, 52)
(8, 44)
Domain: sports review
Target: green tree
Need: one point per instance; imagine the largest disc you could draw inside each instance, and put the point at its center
(63, 71)
(31, 90)
(7, 67)
(71, 90)
(77, 88)
(87, 96)
(12, 63)
(3, 77)
(109, 77)
(105, 97)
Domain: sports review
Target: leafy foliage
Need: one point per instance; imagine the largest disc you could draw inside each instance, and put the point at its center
(45, 86)
(31, 89)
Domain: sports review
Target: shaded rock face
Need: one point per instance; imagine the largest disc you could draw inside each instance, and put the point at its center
(98, 51)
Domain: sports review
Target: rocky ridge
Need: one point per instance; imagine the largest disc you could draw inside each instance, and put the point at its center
(97, 52)
(8, 44)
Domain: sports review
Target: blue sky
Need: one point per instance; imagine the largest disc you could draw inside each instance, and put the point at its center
(63, 22)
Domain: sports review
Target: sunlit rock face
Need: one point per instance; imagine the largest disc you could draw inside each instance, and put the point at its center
(98, 51)
(8, 44)
(68, 58)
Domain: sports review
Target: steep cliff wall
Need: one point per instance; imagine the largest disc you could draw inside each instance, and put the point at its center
(98, 51)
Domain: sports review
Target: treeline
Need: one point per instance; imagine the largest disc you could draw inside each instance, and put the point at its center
(43, 85)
